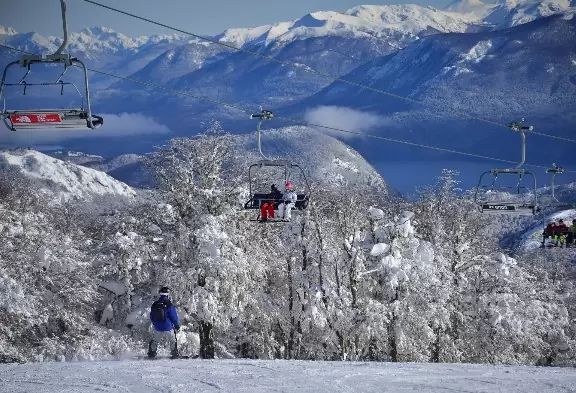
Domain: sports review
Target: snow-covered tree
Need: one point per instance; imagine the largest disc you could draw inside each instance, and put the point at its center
(210, 273)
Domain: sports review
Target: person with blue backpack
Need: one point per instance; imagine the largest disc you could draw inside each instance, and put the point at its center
(165, 323)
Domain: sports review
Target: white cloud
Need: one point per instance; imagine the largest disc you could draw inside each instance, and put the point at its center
(343, 118)
(124, 124)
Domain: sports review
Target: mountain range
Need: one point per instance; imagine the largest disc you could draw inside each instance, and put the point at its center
(500, 61)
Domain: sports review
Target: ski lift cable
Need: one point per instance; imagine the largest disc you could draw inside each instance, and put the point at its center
(302, 122)
(410, 143)
(306, 68)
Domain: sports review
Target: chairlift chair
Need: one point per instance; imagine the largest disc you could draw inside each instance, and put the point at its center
(520, 208)
(517, 207)
(64, 118)
(557, 170)
(258, 199)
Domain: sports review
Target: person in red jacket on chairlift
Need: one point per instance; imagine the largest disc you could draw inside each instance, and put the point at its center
(267, 208)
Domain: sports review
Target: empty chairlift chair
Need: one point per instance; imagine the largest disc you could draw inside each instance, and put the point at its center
(523, 200)
(59, 118)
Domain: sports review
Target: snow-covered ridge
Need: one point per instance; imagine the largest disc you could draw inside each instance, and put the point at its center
(381, 21)
(64, 177)
(508, 13)
(90, 40)
(362, 21)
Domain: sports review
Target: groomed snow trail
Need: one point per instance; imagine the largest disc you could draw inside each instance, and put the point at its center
(279, 376)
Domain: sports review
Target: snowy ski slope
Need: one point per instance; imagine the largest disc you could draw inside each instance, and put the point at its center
(279, 376)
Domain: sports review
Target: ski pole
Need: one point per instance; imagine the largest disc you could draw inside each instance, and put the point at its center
(175, 341)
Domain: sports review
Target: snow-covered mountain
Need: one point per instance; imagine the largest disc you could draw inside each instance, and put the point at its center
(526, 71)
(63, 178)
(330, 163)
(386, 22)
(321, 40)
(177, 62)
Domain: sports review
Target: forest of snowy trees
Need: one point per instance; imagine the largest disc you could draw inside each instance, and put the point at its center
(360, 275)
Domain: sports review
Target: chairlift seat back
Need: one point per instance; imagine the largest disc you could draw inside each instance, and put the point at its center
(45, 119)
(258, 200)
(509, 209)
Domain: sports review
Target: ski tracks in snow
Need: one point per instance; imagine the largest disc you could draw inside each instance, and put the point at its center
(259, 376)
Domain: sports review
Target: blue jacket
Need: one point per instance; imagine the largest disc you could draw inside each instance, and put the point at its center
(171, 316)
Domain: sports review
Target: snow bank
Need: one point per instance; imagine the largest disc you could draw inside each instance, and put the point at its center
(245, 375)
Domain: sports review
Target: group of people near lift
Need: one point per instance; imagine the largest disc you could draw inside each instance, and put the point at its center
(285, 201)
(559, 233)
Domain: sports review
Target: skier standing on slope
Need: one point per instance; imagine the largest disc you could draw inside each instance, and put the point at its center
(165, 323)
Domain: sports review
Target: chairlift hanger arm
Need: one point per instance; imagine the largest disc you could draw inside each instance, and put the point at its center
(65, 28)
(519, 127)
(263, 115)
(554, 171)
(58, 56)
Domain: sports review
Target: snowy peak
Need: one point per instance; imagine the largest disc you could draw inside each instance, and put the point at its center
(412, 18)
(7, 31)
(64, 178)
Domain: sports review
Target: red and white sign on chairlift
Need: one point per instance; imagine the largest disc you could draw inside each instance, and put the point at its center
(36, 118)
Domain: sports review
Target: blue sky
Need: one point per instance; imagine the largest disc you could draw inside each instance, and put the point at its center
(205, 17)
